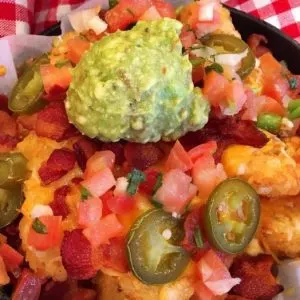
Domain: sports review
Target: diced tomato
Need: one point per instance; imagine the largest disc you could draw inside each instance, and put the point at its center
(207, 148)
(76, 48)
(214, 274)
(147, 186)
(99, 161)
(105, 229)
(274, 84)
(198, 73)
(174, 193)
(189, 14)
(126, 12)
(203, 292)
(28, 287)
(151, 14)
(214, 87)
(48, 240)
(179, 159)
(105, 199)
(11, 257)
(4, 278)
(89, 212)
(204, 27)
(100, 182)
(53, 76)
(112, 255)
(270, 105)
(121, 204)
(165, 9)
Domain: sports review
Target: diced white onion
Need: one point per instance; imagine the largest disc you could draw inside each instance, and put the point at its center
(230, 59)
(97, 25)
(205, 52)
(41, 210)
(206, 11)
(121, 186)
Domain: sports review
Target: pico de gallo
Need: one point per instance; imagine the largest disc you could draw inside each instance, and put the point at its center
(189, 218)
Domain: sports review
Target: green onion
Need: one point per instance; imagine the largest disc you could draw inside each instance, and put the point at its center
(113, 3)
(293, 83)
(214, 67)
(135, 177)
(198, 238)
(39, 227)
(158, 183)
(269, 122)
(84, 194)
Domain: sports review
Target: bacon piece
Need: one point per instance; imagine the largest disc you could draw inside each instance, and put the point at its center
(8, 124)
(256, 43)
(59, 163)
(112, 255)
(28, 286)
(258, 281)
(84, 148)
(142, 156)
(226, 130)
(193, 222)
(59, 205)
(7, 143)
(117, 149)
(52, 122)
(76, 252)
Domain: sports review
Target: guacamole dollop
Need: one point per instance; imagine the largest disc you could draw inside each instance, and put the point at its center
(136, 85)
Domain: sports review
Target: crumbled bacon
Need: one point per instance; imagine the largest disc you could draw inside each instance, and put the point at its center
(117, 149)
(52, 122)
(59, 205)
(84, 148)
(194, 221)
(256, 42)
(76, 252)
(142, 156)
(59, 163)
(28, 286)
(112, 255)
(226, 130)
(258, 281)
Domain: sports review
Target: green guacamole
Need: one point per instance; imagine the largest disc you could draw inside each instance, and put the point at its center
(136, 85)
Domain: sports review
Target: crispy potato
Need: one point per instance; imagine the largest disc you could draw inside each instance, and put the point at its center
(280, 226)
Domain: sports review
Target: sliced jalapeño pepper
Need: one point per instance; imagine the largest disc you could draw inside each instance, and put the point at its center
(10, 203)
(232, 215)
(153, 249)
(26, 95)
(13, 169)
(226, 43)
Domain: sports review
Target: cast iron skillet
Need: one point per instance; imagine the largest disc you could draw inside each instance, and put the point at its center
(282, 46)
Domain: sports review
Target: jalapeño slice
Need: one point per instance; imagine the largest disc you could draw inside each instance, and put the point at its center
(231, 44)
(26, 95)
(13, 169)
(155, 256)
(232, 215)
(10, 203)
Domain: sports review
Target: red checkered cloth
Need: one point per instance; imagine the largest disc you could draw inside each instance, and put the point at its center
(33, 16)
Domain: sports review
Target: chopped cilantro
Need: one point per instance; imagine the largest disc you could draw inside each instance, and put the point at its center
(113, 3)
(39, 227)
(158, 183)
(293, 83)
(84, 194)
(135, 177)
(214, 67)
(198, 238)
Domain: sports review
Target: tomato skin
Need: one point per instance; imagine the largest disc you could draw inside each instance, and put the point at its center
(274, 84)
(100, 182)
(89, 212)
(52, 238)
(76, 48)
(53, 77)
(98, 162)
(11, 257)
(165, 9)
(179, 159)
(147, 186)
(207, 148)
(105, 229)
